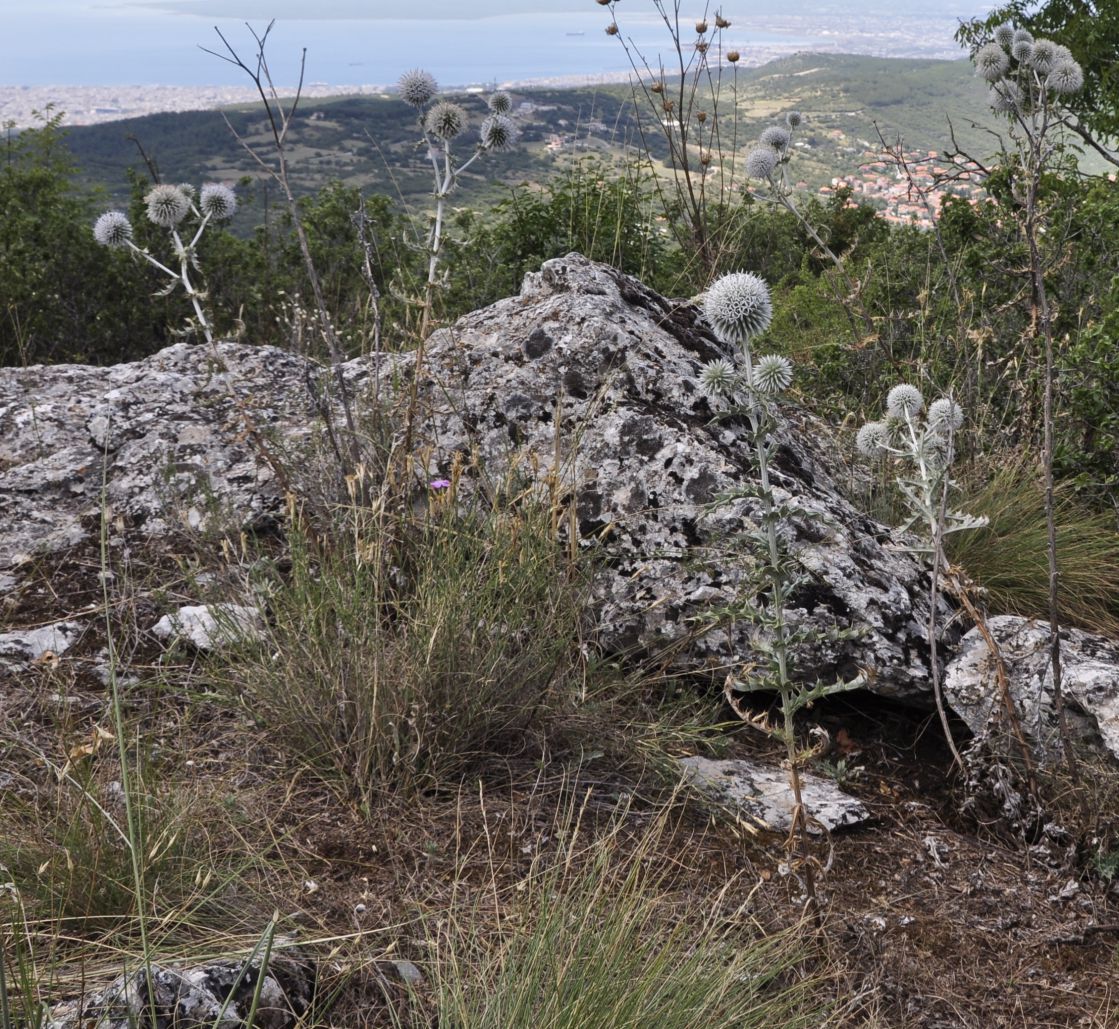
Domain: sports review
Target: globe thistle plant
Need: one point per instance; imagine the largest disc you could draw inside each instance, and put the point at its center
(441, 123)
(793, 119)
(923, 451)
(776, 136)
(169, 207)
(992, 62)
(738, 308)
(1031, 93)
(761, 162)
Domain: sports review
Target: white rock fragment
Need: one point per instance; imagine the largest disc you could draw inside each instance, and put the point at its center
(27, 645)
(763, 794)
(209, 626)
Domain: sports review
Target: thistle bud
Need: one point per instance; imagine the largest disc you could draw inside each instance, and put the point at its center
(500, 102)
(738, 306)
(218, 201)
(904, 401)
(772, 374)
(113, 229)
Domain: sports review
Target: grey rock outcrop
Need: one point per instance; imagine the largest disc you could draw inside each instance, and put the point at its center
(164, 436)
(763, 794)
(591, 376)
(1089, 680)
(587, 375)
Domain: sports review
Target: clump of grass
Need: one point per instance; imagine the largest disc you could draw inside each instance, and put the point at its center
(1008, 557)
(602, 936)
(412, 641)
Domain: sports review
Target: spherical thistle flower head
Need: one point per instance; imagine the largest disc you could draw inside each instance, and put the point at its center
(498, 132)
(1022, 36)
(445, 120)
(1061, 54)
(718, 378)
(776, 136)
(904, 400)
(793, 119)
(500, 102)
(761, 162)
(1022, 50)
(1005, 97)
(772, 374)
(167, 205)
(113, 229)
(873, 439)
(945, 415)
(1065, 77)
(187, 190)
(738, 306)
(1004, 34)
(218, 201)
(991, 62)
(1043, 56)
(417, 87)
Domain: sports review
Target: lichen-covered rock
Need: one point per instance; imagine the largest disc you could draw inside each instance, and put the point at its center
(763, 794)
(586, 375)
(215, 995)
(1089, 683)
(591, 376)
(163, 435)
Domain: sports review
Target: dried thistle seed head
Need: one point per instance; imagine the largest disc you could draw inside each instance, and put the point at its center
(701, 48)
(500, 102)
(603, 3)
(113, 229)
(701, 117)
(705, 158)
(761, 162)
(733, 56)
(873, 439)
(445, 120)
(945, 415)
(718, 378)
(738, 306)
(701, 26)
(793, 119)
(772, 374)
(167, 205)
(904, 401)
(218, 201)
(657, 87)
(612, 29)
(1065, 77)
(417, 87)
(991, 62)
(1044, 56)
(721, 22)
(1004, 34)
(776, 136)
(498, 132)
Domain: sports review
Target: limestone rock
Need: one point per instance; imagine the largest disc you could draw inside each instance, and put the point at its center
(763, 794)
(29, 645)
(208, 626)
(1089, 680)
(587, 375)
(593, 357)
(163, 434)
(215, 995)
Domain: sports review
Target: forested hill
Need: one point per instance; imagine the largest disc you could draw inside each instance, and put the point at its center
(370, 141)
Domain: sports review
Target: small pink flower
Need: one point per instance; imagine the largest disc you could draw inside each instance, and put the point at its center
(440, 484)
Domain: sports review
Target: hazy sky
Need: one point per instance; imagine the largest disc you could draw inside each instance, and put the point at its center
(102, 42)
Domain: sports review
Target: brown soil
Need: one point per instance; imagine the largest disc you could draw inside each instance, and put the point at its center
(931, 920)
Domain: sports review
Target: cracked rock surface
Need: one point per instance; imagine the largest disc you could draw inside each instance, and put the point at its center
(1089, 682)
